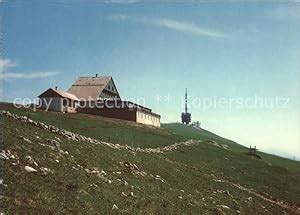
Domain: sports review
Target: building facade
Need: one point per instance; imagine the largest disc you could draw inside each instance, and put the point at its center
(98, 96)
(125, 110)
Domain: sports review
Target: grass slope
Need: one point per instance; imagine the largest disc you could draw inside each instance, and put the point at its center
(197, 179)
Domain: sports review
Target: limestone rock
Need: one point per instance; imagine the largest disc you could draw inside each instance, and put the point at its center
(115, 207)
(3, 156)
(225, 207)
(30, 169)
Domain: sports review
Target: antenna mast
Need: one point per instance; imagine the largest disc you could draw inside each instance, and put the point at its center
(186, 117)
(185, 100)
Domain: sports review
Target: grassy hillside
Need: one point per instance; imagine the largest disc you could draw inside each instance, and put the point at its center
(197, 133)
(105, 129)
(120, 131)
(203, 178)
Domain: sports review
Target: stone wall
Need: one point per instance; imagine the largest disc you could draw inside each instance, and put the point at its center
(78, 137)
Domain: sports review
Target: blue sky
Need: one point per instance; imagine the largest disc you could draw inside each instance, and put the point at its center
(233, 52)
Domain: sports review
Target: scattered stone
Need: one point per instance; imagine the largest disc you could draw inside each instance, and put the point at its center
(101, 174)
(3, 156)
(31, 160)
(30, 169)
(57, 138)
(57, 161)
(24, 118)
(225, 207)
(115, 207)
(54, 144)
(179, 197)
(175, 146)
(123, 194)
(214, 143)
(25, 139)
(83, 192)
(6, 155)
(45, 170)
(220, 211)
(133, 168)
(158, 178)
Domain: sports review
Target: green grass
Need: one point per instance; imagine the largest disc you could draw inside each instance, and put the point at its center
(192, 169)
(120, 131)
(105, 129)
(187, 132)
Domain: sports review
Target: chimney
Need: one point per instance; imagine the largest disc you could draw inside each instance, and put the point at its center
(55, 87)
(96, 75)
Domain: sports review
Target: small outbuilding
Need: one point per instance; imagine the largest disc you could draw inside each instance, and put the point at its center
(58, 100)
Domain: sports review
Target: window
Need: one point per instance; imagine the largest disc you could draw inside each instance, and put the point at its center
(112, 88)
(109, 87)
